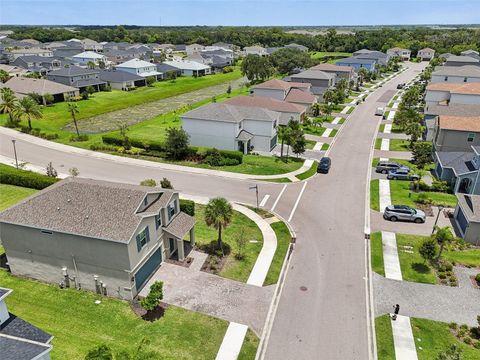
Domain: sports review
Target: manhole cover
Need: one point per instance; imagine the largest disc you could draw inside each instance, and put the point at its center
(303, 288)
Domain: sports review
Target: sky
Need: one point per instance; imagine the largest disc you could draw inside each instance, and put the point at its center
(239, 12)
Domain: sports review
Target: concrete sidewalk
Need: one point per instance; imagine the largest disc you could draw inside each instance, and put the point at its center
(390, 256)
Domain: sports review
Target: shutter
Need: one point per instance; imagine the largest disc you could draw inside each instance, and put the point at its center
(139, 245)
(147, 234)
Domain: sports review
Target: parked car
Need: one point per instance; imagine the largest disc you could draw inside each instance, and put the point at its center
(385, 166)
(324, 165)
(401, 86)
(403, 212)
(379, 111)
(402, 174)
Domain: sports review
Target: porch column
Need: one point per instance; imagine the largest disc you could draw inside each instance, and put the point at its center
(192, 236)
(245, 147)
(180, 250)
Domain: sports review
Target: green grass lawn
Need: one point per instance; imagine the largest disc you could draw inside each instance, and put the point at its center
(11, 194)
(435, 337)
(313, 130)
(321, 54)
(310, 144)
(374, 195)
(413, 266)
(378, 143)
(283, 240)
(333, 133)
(386, 113)
(469, 257)
(309, 173)
(399, 145)
(381, 128)
(376, 253)
(234, 269)
(384, 336)
(401, 194)
(325, 146)
(323, 118)
(78, 324)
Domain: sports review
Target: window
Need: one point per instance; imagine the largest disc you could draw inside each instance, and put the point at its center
(446, 78)
(240, 125)
(172, 209)
(465, 79)
(158, 221)
(471, 137)
(145, 201)
(143, 238)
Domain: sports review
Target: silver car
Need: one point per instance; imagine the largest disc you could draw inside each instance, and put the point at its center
(385, 166)
(402, 174)
(404, 213)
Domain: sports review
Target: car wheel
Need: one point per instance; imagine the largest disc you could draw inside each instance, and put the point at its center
(393, 218)
(384, 171)
(418, 221)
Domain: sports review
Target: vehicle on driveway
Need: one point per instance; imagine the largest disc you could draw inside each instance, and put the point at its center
(324, 165)
(403, 213)
(401, 86)
(402, 174)
(385, 167)
(379, 111)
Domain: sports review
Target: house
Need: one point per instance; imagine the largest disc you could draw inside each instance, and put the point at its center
(403, 54)
(141, 68)
(13, 54)
(297, 47)
(193, 48)
(78, 77)
(89, 57)
(231, 127)
(296, 93)
(20, 340)
(456, 133)
(40, 64)
(255, 50)
(96, 235)
(168, 70)
(341, 72)
(190, 68)
(320, 81)
(446, 93)
(288, 111)
(271, 50)
(456, 74)
(13, 70)
(462, 60)
(121, 80)
(380, 58)
(224, 45)
(25, 86)
(469, 52)
(467, 217)
(426, 54)
(357, 63)
(92, 45)
(460, 169)
(68, 51)
(301, 97)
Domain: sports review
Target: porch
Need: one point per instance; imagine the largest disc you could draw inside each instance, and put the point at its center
(176, 247)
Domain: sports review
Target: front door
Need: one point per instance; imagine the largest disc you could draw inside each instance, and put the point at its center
(172, 246)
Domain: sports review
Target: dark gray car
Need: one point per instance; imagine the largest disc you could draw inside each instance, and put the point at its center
(385, 166)
(404, 213)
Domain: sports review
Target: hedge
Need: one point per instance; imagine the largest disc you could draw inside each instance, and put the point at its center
(187, 206)
(24, 178)
(117, 139)
(229, 154)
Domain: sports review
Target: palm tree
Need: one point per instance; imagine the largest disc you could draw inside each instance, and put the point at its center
(415, 130)
(218, 213)
(4, 76)
(328, 96)
(9, 104)
(316, 107)
(73, 109)
(362, 74)
(29, 109)
(327, 110)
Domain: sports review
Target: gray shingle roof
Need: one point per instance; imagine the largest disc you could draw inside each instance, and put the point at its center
(461, 58)
(118, 76)
(460, 162)
(355, 60)
(466, 70)
(231, 113)
(20, 328)
(312, 74)
(471, 206)
(180, 225)
(73, 71)
(453, 109)
(18, 349)
(86, 207)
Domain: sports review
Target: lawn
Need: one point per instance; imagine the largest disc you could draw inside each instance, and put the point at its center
(309, 144)
(313, 130)
(401, 194)
(435, 337)
(381, 128)
(234, 269)
(333, 133)
(11, 194)
(320, 54)
(414, 268)
(469, 257)
(325, 146)
(78, 324)
(283, 240)
(376, 253)
(374, 195)
(399, 145)
(350, 110)
(384, 336)
(309, 173)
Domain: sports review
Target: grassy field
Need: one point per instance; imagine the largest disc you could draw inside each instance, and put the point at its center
(234, 269)
(374, 195)
(413, 266)
(309, 173)
(434, 337)
(11, 194)
(376, 252)
(283, 240)
(320, 54)
(384, 336)
(78, 324)
(469, 257)
(401, 194)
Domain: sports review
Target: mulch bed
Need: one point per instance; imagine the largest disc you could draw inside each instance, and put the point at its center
(214, 264)
(148, 315)
(185, 263)
(475, 283)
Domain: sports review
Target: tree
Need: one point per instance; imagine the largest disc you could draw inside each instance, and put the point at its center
(148, 182)
(256, 67)
(241, 242)
(422, 153)
(176, 143)
(329, 96)
(4, 76)
(74, 171)
(428, 250)
(166, 184)
(299, 145)
(363, 73)
(51, 172)
(155, 295)
(100, 352)
(286, 59)
(327, 110)
(73, 109)
(342, 85)
(452, 353)
(150, 80)
(90, 90)
(91, 65)
(218, 213)
(442, 236)
(295, 134)
(9, 105)
(123, 129)
(48, 98)
(415, 130)
(283, 133)
(28, 108)
(101, 64)
(316, 107)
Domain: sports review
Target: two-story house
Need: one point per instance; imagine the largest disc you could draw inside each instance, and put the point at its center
(141, 68)
(452, 93)
(40, 64)
(461, 60)
(426, 54)
(86, 57)
(403, 54)
(13, 54)
(255, 50)
(358, 63)
(456, 74)
(319, 80)
(78, 77)
(96, 235)
(341, 72)
(456, 133)
(231, 127)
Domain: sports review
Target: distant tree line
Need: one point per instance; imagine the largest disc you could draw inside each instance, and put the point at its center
(442, 40)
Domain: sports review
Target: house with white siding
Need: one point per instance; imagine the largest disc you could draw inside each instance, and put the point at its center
(140, 67)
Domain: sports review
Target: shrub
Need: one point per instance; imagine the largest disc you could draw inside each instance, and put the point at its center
(24, 178)
(453, 325)
(152, 300)
(468, 340)
(102, 147)
(81, 137)
(148, 182)
(166, 184)
(477, 278)
(423, 198)
(187, 206)
(227, 69)
(477, 345)
(84, 95)
(448, 266)
(442, 275)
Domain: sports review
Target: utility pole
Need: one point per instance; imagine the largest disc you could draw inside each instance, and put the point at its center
(15, 152)
(256, 191)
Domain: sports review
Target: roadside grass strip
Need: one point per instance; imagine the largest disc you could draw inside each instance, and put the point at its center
(374, 195)
(310, 144)
(318, 146)
(384, 337)
(333, 133)
(283, 240)
(376, 249)
(381, 128)
(309, 173)
(338, 120)
(325, 147)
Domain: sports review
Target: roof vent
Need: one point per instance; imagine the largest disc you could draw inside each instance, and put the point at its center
(86, 217)
(58, 209)
(68, 200)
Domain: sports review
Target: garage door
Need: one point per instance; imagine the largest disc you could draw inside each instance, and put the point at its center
(462, 221)
(150, 266)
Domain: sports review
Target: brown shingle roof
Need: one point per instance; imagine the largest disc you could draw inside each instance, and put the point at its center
(267, 103)
(180, 225)
(461, 123)
(456, 88)
(280, 84)
(23, 85)
(299, 96)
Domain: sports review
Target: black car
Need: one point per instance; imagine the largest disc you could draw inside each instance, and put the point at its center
(324, 165)
(401, 86)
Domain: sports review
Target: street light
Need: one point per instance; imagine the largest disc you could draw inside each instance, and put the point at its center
(256, 191)
(15, 152)
(440, 208)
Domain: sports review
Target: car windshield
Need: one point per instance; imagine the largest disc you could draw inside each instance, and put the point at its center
(414, 211)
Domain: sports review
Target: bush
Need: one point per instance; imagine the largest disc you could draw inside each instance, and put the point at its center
(152, 300)
(103, 147)
(468, 340)
(24, 178)
(148, 182)
(227, 69)
(477, 278)
(166, 184)
(423, 198)
(187, 206)
(81, 137)
(84, 95)
(453, 325)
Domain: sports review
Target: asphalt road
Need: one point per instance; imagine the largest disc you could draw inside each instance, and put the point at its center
(329, 319)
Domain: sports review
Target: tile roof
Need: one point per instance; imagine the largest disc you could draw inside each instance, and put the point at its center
(471, 205)
(267, 103)
(25, 85)
(456, 88)
(180, 225)
(299, 96)
(231, 113)
(91, 208)
(332, 68)
(460, 123)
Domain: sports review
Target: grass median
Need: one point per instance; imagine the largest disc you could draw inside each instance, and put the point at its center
(384, 336)
(283, 240)
(309, 173)
(376, 253)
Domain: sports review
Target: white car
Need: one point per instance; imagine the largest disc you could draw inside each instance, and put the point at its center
(379, 111)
